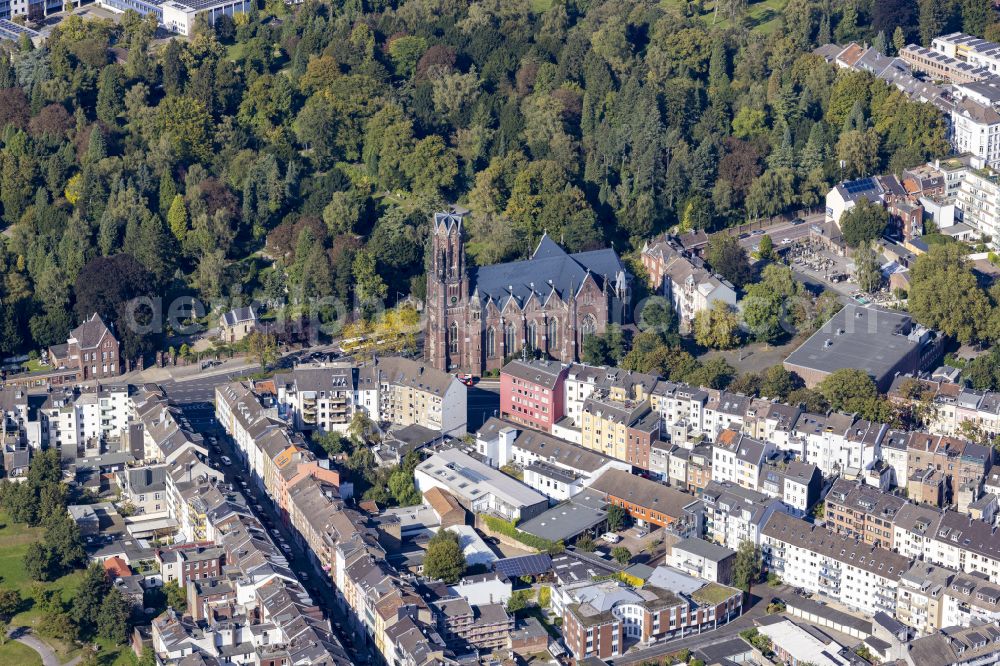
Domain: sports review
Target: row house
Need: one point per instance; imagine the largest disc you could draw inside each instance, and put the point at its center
(861, 512)
(858, 575)
(945, 406)
(734, 515)
(972, 646)
(797, 484)
(895, 454)
(185, 562)
(839, 444)
(738, 458)
(186, 480)
(165, 430)
(275, 458)
(311, 507)
(688, 469)
(619, 426)
(948, 539)
(931, 597)
(961, 465)
(583, 380)
(920, 597)
(680, 404)
(554, 467)
(724, 410)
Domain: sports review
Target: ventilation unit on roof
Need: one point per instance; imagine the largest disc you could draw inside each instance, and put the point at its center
(827, 343)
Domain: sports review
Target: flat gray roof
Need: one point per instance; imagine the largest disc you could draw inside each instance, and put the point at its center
(707, 549)
(564, 521)
(858, 337)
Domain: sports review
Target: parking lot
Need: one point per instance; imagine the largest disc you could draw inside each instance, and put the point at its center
(645, 544)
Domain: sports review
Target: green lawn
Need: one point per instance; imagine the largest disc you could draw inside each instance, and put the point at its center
(764, 15)
(35, 366)
(14, 541)
(22, 655)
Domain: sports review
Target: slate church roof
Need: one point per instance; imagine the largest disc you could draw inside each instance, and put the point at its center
(549, 269)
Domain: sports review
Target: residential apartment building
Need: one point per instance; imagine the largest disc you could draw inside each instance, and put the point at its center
(603, 620)
(619, 427)
(979, 194)
(974, 646)
(861, 512)
(703, 559)
(682, 277)
(796, 484)
(413, 392)
(962, 465)
(734, 514)
(532, 393)
(739, 458)
(858, 575)
(320, 397)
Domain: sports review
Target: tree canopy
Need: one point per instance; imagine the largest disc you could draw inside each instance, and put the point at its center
(299, 160)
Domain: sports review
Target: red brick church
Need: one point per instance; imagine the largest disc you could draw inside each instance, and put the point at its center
(478, 317)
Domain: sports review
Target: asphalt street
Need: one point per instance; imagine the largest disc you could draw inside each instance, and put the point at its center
(200, 412)
(780, 233)
(195, 396)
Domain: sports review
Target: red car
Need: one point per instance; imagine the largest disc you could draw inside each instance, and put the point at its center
(466, 378)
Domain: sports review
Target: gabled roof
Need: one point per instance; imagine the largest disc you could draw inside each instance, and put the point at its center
(90, 333)
(239, 315)
(550, 268)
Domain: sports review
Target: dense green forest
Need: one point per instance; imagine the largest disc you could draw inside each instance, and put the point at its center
(296, 153)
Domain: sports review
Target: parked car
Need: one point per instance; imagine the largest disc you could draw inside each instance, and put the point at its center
(610, 537)
(276, 533)
(226, 461)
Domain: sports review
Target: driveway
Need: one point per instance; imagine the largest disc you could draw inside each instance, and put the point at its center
(49, 657)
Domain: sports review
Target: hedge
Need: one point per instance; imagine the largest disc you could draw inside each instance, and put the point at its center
(507, 528)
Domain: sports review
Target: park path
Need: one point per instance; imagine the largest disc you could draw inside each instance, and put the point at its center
(49, 657)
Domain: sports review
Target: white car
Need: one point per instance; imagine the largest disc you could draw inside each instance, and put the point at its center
(786, 241)
(226, 461)
(610, 537)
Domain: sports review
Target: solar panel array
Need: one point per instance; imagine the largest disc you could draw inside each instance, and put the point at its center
(862, 185)
(526, 565)
(11, 30)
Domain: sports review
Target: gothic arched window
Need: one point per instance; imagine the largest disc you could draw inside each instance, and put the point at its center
(552, 333)
(509, 342)
(491, 342)
(589, 326)
(532, 335)
(453, 338)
